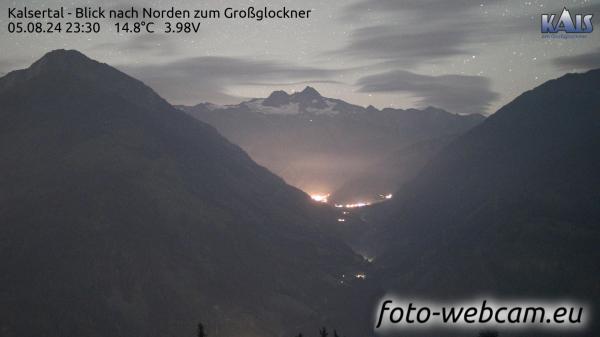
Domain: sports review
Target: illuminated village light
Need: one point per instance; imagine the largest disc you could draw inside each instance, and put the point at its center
(320, 197)
(358, 204)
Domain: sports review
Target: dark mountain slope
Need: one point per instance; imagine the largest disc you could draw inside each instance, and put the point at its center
(122, 216)
(390, 173)
(510, 208)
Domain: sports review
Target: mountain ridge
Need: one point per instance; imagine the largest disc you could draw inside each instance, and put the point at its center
(508, 209)
(125, 216)
(310, 95)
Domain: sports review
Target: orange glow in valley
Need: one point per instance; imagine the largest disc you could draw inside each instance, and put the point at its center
(324, 198)
(356, 205)
(320, 197)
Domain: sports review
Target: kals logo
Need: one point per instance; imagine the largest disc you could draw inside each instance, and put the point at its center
(581, 24)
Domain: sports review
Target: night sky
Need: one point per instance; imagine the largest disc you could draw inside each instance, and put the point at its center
(464, 56)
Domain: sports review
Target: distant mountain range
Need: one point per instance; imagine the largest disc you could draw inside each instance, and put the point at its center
(123, 216)
(321, 144)
(510, 209)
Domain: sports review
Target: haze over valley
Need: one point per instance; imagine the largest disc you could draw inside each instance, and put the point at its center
(333, 150)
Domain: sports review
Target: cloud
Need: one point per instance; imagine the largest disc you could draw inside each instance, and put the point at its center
(456, 93)
(388, 42)
(410, 33)
(421, 8)
(196, 79)
(584, 61)
(283, 83)
(159, 44)
(415, 32)
(586, 9)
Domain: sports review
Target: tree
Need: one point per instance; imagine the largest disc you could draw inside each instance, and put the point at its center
(323, 332)
(201, 330)
(335, 334)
